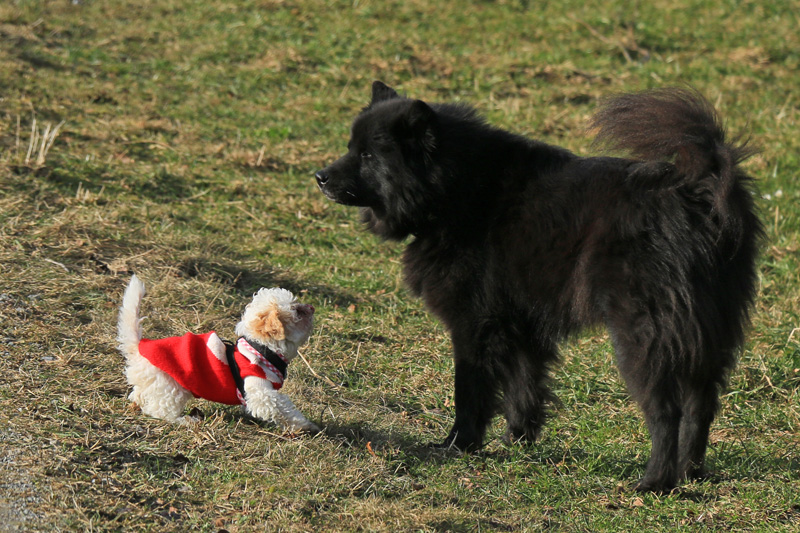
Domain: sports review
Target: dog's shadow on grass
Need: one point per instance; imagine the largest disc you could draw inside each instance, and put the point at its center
(386, 443)
(392, 443)
(558, 459)
(115, 458)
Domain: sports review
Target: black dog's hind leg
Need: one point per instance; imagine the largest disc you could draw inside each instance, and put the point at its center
(641, 361)
(700, 403)
(662, 413)
(525, 393)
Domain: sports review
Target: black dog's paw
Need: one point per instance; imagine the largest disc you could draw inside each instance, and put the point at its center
(459, 441)
(656, 486)
(524, 437)
(697, 473)
(444, 445)
(448, 445)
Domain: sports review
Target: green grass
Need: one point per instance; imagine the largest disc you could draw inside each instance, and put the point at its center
(192, 131)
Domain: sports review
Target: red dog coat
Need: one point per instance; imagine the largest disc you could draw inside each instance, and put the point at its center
(199, 364)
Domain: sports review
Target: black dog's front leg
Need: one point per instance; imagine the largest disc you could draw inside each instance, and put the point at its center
(475, 396)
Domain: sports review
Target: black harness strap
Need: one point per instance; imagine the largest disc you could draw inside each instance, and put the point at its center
(274, 359)
(237, 375)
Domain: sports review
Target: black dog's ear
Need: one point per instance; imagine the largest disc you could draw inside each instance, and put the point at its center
(420, 115)
(381, 92)
(419, 124)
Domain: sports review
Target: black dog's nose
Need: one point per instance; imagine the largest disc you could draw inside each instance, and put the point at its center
(322, 177)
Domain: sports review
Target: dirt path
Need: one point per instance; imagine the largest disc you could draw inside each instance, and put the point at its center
(18, 492)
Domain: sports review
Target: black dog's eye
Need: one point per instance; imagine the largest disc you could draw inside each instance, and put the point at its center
(366, 155)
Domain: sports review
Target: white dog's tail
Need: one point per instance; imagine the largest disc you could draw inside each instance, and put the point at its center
(129, 326)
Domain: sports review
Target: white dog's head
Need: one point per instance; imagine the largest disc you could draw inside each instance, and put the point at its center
(277, 320)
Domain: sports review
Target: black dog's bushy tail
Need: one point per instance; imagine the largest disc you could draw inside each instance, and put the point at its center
(678, 125)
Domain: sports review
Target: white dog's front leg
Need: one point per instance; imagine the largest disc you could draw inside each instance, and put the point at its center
(265, 403)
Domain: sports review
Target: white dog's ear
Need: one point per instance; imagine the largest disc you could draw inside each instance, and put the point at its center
(270, 325)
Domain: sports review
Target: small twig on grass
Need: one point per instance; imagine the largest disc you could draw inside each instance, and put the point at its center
(314, 372)
(248, 213)
(611, 42)
(795, 330)
(43, 151)
(40, 143)
(32, 142)
(62, 265)
(210, 304)
(198, 195)
(154, 143)
(765, 370)
(358, 353)
(16, 145)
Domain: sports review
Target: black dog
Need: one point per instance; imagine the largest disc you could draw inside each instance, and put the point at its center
(516, 244)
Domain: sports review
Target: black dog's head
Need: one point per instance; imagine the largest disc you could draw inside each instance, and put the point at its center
(388, 168)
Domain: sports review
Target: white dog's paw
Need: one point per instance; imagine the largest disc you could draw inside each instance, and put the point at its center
(306, 427)
(311, 428)
(188, 421)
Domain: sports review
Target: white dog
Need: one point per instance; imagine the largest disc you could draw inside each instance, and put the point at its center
(167, 373)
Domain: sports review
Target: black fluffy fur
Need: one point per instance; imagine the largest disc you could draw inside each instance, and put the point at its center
(517, 244)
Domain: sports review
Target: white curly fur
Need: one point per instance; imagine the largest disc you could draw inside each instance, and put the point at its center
(160, 396)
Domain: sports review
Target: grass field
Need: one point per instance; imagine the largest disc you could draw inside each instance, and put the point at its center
(188, 135)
